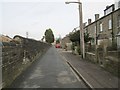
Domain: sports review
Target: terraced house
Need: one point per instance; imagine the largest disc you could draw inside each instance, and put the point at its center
(105, 30)
(104, 47)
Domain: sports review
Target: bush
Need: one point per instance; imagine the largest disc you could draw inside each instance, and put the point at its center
(100, 49)
(112, 48)
(73, 46)
(78, 50)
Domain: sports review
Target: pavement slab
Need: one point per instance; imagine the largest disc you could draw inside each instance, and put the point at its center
(93, 73)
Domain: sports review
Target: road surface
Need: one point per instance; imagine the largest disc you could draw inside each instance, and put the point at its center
(49, 71)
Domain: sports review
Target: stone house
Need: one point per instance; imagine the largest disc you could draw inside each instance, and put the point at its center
(118, 41)
(105, 29)
(105, 32)
(66, 41)
(4, 38)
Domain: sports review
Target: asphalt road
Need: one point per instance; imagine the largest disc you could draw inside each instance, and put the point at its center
(50, 71)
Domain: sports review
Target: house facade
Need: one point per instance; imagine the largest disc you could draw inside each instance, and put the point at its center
(66, 42)
(104, 29)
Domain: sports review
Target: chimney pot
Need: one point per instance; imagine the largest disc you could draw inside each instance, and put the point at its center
(89, 21)
(84, 24)
(96, 17)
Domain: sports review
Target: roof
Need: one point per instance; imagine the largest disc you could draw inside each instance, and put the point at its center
(102, 17)
(4, 38)
(18, 36)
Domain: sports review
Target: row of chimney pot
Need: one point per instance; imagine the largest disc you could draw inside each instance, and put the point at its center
(96, 18)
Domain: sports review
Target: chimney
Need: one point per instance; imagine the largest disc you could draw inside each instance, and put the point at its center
(96, 17)
(89, 21)
(84, 24)
(107, 7)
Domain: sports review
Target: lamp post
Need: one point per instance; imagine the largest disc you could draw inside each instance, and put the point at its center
(82, 47)
(75, 29)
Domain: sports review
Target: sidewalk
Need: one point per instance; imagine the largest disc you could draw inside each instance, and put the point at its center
(96, 76)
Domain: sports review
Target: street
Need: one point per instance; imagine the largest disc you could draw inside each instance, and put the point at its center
(49, 71)
(61, 44)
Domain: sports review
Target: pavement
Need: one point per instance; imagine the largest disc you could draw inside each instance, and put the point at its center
(49, 71)
(0, 67)
(93, 74)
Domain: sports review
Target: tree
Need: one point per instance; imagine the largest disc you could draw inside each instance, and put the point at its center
(49, 36)
(87, 37)
(75, 37)
(57, 41)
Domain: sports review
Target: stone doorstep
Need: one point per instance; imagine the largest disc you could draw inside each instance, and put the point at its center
(90, 53)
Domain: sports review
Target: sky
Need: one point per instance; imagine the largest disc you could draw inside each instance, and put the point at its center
(35, 16)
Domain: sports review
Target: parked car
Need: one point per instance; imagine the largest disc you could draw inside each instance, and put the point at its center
(57, 46)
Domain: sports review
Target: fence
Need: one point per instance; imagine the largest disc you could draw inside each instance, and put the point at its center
(107, 57)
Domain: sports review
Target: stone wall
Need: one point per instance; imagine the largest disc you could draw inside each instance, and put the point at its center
(16, 57)
(91, 56)
(109, 60)
(112, 62)
(12, 58)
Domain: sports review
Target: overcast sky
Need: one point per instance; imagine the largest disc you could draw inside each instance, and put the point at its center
(35, 16)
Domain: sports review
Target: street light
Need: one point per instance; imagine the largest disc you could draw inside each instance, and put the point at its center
(72, 2)
(81, 28)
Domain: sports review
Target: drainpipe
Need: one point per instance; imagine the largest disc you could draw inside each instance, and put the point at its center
(112, 30)
(96, 50)
(96, 45)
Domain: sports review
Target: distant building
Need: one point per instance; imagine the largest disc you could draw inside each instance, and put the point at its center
(66, 42)
(4, 38)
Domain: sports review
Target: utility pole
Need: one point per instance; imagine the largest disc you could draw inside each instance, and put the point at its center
(26, 34)
(82, 46)
(81, 31)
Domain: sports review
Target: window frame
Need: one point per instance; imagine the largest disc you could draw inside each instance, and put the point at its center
(118, 22)
(101, 27)
(109, 24)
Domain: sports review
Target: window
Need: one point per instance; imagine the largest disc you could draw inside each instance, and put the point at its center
(101, 27)
(110, 24)
(118, 21)
(119, 4)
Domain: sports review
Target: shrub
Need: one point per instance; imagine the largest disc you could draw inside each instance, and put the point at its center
(78, 50)
(113, 47)
(73, 46)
